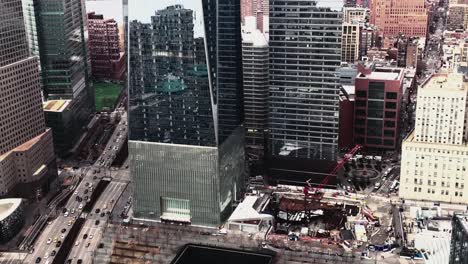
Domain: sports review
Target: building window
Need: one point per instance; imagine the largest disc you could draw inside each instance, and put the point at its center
(391, 95)
(390, 105)
(376, 90)
(361, 93)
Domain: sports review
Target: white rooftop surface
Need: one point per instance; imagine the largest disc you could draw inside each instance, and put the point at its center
(246, 212)
(250, 33)
(383, 75)
(350, 89)
(8, 206)
(437, 243)
(449, 82)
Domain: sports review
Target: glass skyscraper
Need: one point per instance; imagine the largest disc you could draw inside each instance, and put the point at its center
(305, 51)
(186, 139)
(61, 27)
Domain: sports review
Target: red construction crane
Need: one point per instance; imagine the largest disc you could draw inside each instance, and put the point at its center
(316, 193)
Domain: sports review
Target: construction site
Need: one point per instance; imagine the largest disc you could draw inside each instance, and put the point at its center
(293, 224)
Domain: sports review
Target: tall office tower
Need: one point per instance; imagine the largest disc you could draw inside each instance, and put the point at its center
(247, 9)
(26, 152)
(125, 21)
(64, 58)
(304, 90)
(457, 17)
(255, 60)
(107, 62)
(379, 92)
(434, 160)
(392, 17)
(186, 140)
(367, 40)
(356, 15)
(350, 42)
(29, 12)
(458, 248)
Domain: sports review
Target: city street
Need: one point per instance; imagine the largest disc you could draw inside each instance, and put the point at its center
(91, 175)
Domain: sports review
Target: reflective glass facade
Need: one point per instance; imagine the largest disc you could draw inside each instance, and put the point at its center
(305, 51)
(63, 52)
(185, 84)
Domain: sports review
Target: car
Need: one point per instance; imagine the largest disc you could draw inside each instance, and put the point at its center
(63, 230)
(86, 191)
(105, 206)
(55, 239)
(53, 253)
(49, 241)
(70, 222)
(103, 214)
(81, 206)
(58, 244)
(62, 236)
(80, 261)
(111, 201)
(86, 197)
(77, 243)
(87, 184)
(65, 214)
(91, 236)
(90, 185)
(87, 245)
(76, 192)
(94, 177)
(46, 255)
(38, 260)
(90, 189)
(73, 211)
(97, 222)
(64, 210)
(85, 236)
(377, 186)
(98, 210)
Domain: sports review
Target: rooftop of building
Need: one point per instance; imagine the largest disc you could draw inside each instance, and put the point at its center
(411, 138)
(449, 82)
(8, 206)
(382, 73)
(250, 33)
(56, 105)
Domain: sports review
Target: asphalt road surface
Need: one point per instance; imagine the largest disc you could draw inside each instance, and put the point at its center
(113, 190)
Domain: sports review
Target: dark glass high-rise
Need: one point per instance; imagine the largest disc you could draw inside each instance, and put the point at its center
(185, 110)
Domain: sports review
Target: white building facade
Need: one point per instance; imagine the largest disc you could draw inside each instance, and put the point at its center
(434, 161)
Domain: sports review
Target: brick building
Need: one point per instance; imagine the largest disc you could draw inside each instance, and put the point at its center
(377, 109)
(107, 60)
(27, 161)
(392, 17)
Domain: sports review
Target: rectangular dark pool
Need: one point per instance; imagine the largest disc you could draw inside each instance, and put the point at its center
(196, 254)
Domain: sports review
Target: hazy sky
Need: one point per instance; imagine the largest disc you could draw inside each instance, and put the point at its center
(108, 8)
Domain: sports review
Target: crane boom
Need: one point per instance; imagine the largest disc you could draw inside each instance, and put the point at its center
(333, 173)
